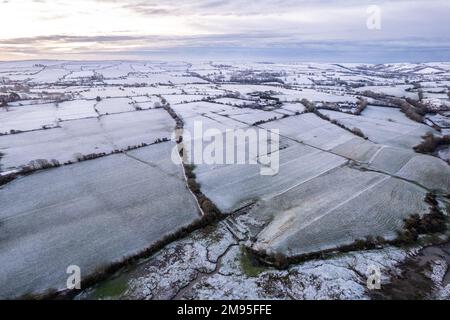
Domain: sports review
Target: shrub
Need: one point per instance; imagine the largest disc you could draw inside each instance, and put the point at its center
(362, 105)
(420, 107)
(40, 164)
(433, 222)
(193, 185)
(4, 179)
(280, 260)
(359, 133)
(5, 99)
(257, 123)
(420, 93)
(430, 143)
(410, 111)
(209, 208)
(408, 237)
(310, 107)
(190, 174)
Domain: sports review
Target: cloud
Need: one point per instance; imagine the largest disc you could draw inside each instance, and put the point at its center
(305, 27)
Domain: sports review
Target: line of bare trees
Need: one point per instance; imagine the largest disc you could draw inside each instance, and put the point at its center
(8, 98)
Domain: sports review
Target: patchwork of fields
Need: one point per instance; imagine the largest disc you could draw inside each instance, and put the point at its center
(88, 175)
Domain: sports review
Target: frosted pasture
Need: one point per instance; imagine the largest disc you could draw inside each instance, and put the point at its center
(75, 109)
(155, 78)
(86, 136)
(116, 105)
(391, 159)
(50, 75)
(357, 149)
(294, 107)
(217, 117)
(311, 130)
(331, 189)
(232, 186)
(336, 209)
(182, 98)
(126, 92)
(26, 118)
(235, 102)
(387, 114)
(116, 70)
(80, 74)
(187, 110)
(251, 116)
(38, 116)
(389, 132)
(318, 201)
(314, 95)
(203, 89)
(430, 172)
(90, 214)
(175, 272)
(396, 91)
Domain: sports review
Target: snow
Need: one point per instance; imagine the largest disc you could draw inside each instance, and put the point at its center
(392, 130)
(182, 270)
(330, 190)
(311, 130)
(86, 136)
(325, 214)
(76, 109)
(28, 118)
(117, 105)
(89, 214)
(396, 91)
(232, 186)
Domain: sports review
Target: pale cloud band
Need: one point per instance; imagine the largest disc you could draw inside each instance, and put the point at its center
(286, 29)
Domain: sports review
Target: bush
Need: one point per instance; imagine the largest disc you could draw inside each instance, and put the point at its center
(433, 222)
(7, 178)
(193, 185)
(430, 143)
(362, 105)
(280, 260)
(40, 164)
(5, 99)
(359, 133)
(209, 208)
(190, 174)
(310, 107)
(420, 93)
(257, 123)
(415, 114)
(420, 108)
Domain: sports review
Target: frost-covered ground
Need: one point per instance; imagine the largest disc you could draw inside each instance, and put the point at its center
(348, 171)
(90, 214)
(213, 264)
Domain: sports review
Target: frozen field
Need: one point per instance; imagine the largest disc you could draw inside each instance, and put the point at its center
(335, 209)
(347, 171)
(317, 186)
(233, 186)
(90, 214)
(389, 130)
(84, 137)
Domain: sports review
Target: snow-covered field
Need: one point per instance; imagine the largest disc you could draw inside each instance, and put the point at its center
(85, 136)
(91, 146)
(90, 214)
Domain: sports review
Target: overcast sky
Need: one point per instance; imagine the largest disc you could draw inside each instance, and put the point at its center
(294, 30)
